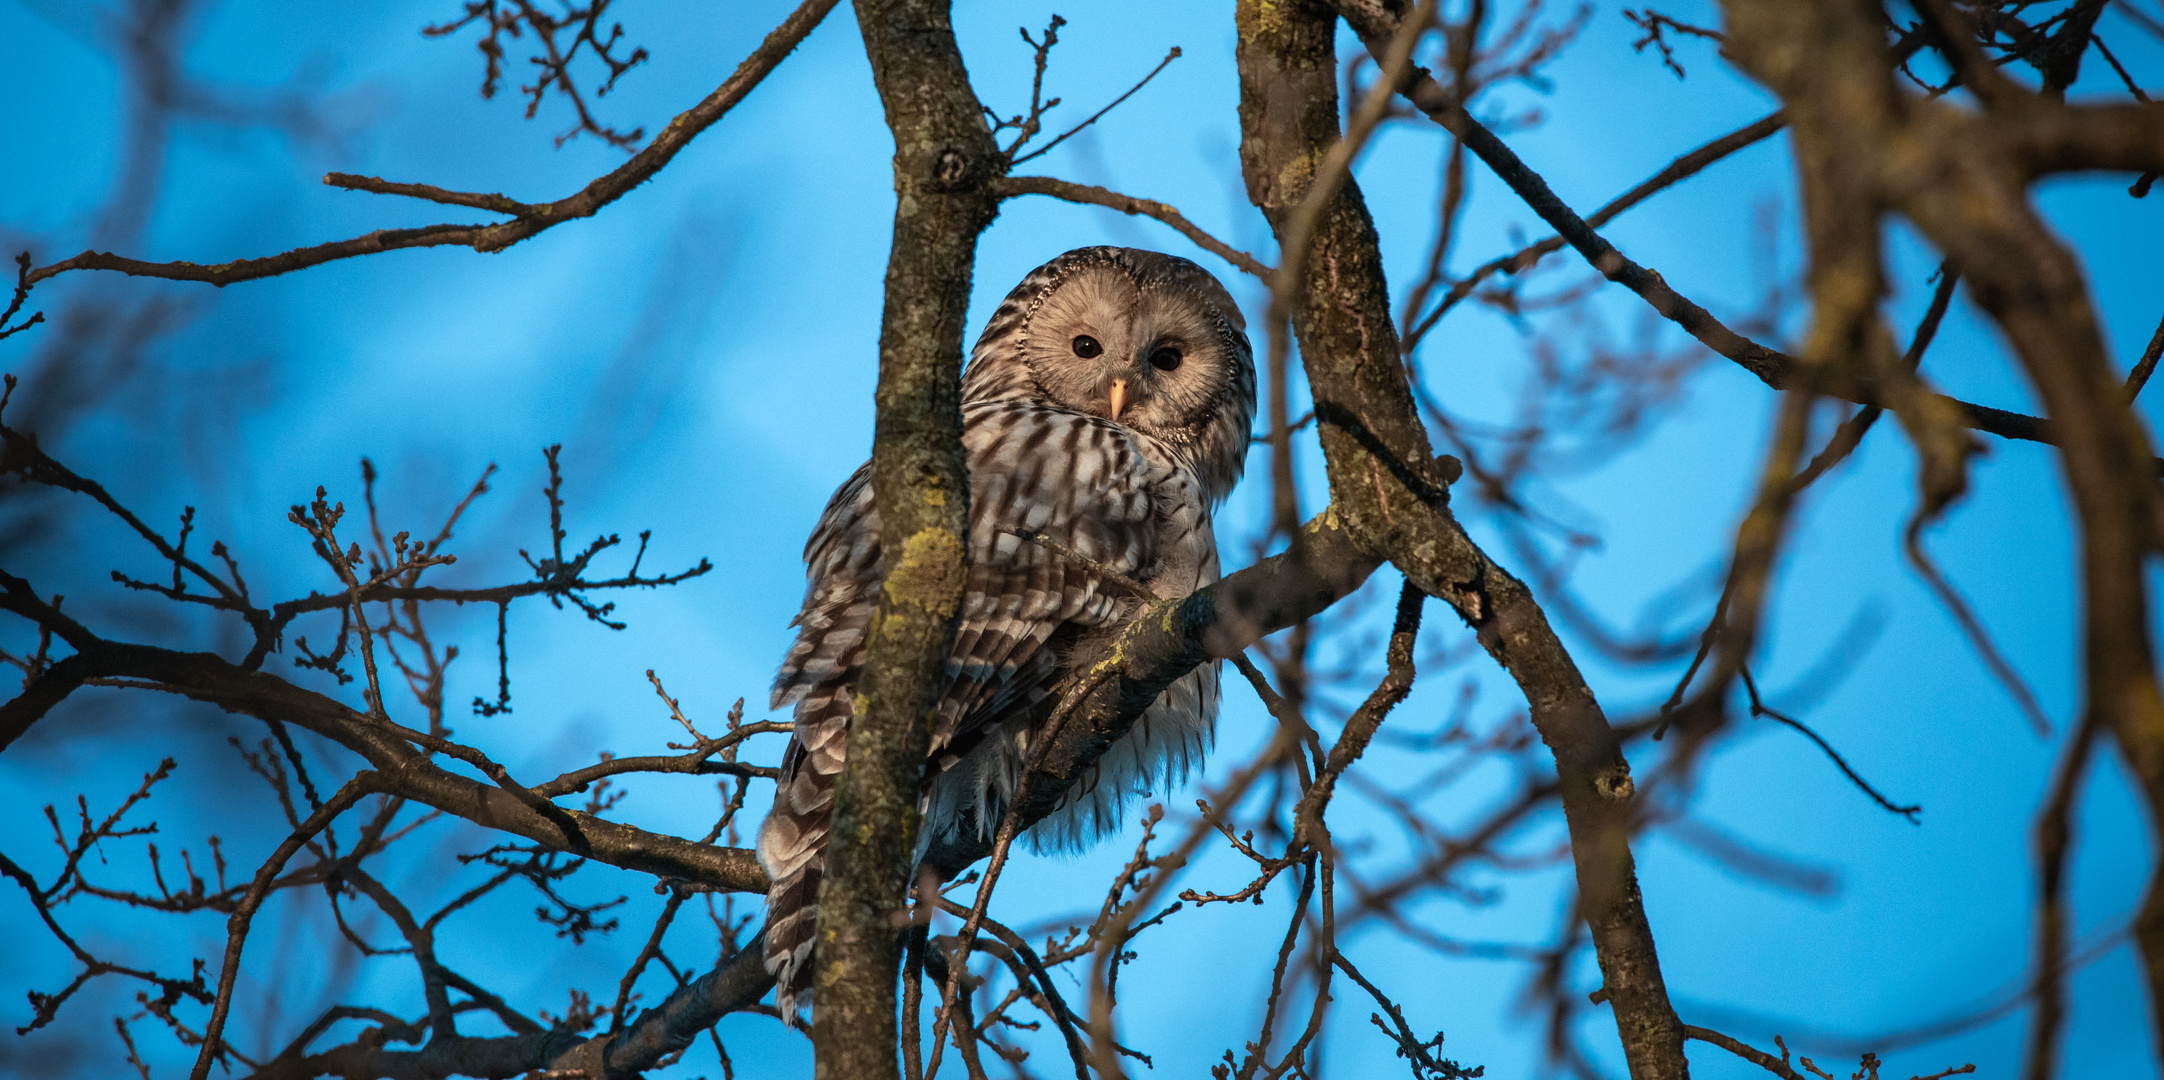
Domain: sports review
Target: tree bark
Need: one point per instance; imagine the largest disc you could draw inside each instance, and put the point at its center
(944, 158)
(1386, 488)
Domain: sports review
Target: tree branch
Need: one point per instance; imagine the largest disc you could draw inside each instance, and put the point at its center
(1391, 498)
(528, 220)
(2045, 137)
(944, 160)
(1164, 643)
(404, 771)
(1773, 367)
(236, 934)
(1008, 187)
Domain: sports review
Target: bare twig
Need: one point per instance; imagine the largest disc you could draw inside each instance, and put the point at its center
(1682, 168)
(1759, 708)
(1778, 1066)
(646, 954)
(539, 217)
(236, 934)
(1132, 587)
(1656, 26)
(553, 67)
(1418, 1054)
(2139, 376)
(1973, 629)
(15, 304)
(1170, 56)
(1011, 186)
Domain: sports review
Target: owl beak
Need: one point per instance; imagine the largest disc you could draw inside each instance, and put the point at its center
(1118, 396)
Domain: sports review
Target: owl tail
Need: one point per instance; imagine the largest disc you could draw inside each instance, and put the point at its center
(792, 843)
(792, 916)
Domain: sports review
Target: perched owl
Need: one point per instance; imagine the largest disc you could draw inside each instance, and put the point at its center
(1106, 406)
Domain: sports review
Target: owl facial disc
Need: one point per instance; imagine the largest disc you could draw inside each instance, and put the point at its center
(1146, 340)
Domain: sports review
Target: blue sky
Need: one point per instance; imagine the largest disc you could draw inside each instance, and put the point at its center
(705, 350)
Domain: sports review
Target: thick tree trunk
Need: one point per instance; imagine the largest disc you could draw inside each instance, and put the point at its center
(944, 158)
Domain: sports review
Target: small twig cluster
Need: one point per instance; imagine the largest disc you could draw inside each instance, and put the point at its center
(69, 883)
(552, 65)
(15, 303)
(381, 598)
(1027, 125)
(945, 960)
(1656, 27)
(1867, 1067)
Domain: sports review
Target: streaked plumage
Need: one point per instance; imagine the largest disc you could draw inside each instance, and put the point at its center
(1158, 336)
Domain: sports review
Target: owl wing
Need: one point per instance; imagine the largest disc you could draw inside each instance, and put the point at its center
(1074, 478)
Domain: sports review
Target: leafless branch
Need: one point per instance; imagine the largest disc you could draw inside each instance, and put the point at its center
(532, 220)
(1011, 186)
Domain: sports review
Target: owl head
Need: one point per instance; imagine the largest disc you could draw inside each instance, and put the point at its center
(1144, 339)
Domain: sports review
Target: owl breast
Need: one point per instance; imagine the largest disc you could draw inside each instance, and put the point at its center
(1170, 547)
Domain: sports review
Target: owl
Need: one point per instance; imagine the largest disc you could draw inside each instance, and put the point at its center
(1106, 406)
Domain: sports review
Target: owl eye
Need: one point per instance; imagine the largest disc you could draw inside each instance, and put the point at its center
(1087, 348)
(1165, 359)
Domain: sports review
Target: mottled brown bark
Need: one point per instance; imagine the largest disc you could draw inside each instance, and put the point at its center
(1385, 488)
(944, 159)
